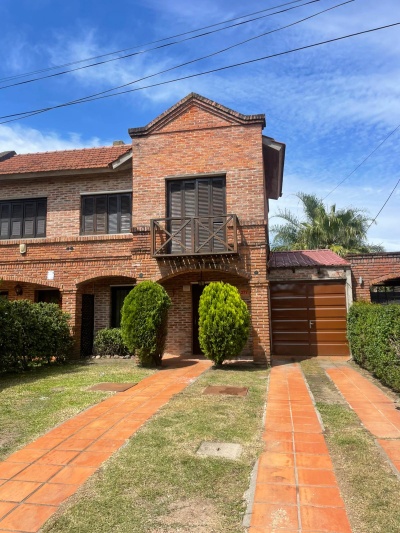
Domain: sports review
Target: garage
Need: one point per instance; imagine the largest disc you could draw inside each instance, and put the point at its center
(308, 312)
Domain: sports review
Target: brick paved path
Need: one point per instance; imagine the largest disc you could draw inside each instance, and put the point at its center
(375, 409)
(296, 488)
(34, 481)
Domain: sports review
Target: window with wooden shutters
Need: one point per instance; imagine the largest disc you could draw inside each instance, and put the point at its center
(23, 218)
(196, 209)
(106, 213)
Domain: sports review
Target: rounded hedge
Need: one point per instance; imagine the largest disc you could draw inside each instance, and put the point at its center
(144, 321)
(224, 322)
(109, 341)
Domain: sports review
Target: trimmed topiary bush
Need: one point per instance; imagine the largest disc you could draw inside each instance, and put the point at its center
(144, 321)
(373, 331)
(109, 341)
(31, 334)
(224, 322)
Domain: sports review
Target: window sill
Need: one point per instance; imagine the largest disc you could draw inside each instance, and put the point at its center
(68, 239)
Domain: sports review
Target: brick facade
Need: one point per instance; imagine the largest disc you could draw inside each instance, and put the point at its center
(372, 269)
(193, 139)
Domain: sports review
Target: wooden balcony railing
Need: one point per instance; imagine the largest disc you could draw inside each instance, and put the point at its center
(193, 236)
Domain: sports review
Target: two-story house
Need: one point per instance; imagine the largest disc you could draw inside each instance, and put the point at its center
(185, 204)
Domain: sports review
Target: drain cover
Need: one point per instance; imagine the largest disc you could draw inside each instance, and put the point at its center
(228, 450)
(232, 391)
(113, 387)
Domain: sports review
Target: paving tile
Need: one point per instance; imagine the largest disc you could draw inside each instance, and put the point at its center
(278, 435)
(37, 473)
(45, 443)
(25, 456)
(6, 507)
(90, 459)
(106, 445)
(314, 461)
(57, 457)
(315, 448)
(307, 476)
(74, 444)
(272, 459)
(276, 517)
(283, 475)
(27, 518)
(329, 519)
(320, 496)
(73, 475)
(275, 493)
(279, 446)
(16, 491)
(9, 470)
(52, 494)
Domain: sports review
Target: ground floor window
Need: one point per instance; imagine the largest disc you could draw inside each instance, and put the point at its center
(4, 294)
(118, 295)
(388, 293)
(49, 296)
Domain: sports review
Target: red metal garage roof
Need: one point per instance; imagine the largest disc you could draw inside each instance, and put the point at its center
(306, 258)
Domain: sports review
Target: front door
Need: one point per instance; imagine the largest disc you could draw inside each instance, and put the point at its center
(196, 293)
(87, 325)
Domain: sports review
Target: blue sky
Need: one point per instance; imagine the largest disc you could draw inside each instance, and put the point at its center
(332, 105)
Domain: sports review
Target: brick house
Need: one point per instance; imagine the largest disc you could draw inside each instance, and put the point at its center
(185, 204)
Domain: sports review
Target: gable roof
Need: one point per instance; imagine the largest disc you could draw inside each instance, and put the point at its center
(180, 107)
(86, 158)
(306, 258)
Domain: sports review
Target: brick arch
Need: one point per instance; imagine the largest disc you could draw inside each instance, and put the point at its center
(190, 270)
(384, 278)
(31, 281)
(103, 274)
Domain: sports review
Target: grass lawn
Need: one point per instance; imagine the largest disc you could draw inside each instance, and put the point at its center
(369, 488)
(157, 483)
(34, 402)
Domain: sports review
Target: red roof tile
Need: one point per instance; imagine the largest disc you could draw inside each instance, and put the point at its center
(63, 160)
(306, 258)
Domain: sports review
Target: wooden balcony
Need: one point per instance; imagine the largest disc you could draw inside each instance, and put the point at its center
(188, 236)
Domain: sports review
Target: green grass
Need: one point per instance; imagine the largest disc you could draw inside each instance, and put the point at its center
(33, 402)
(369, 487)
(157, 483)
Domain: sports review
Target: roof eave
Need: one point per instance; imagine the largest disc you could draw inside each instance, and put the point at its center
(274, 163)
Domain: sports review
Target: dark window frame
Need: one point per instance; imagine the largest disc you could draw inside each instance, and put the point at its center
(26, 218)
(4, 294)
(106, 219)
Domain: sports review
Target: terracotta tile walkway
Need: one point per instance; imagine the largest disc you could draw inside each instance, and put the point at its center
(34, 481)
(375, 409)
(296, 488)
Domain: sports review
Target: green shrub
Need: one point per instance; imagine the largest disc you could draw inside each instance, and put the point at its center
(110, 342)
(144, 321)
(373, 331)
(32, 333)
(224, 322)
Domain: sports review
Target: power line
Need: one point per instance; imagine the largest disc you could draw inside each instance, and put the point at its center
(156, 47)
(189, 76)
(55, 67)
(203, 57)
(362, 162)
(381, 209)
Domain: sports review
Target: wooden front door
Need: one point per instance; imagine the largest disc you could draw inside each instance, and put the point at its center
(309, 318)
(87, 325)
(196, 293)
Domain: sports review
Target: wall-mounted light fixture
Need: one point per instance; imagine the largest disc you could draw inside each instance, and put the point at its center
(18, 290)
(140, 275)
(360, 281)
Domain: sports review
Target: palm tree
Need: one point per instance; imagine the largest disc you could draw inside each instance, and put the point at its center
(343, 231)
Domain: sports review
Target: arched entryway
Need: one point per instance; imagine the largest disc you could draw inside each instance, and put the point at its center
(386, 292)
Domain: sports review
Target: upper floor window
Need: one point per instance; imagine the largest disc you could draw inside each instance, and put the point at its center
(106, 213)
(23, 218)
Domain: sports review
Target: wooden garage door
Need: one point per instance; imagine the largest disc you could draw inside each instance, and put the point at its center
(309, 318)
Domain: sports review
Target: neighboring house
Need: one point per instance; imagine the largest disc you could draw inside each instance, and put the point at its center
(185, 204)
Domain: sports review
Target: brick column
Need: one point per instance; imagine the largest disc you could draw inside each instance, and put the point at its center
(72, 304)
(260, 322)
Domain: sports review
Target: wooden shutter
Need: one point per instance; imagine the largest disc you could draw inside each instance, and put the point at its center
(17, 212)
(203, 212)
(175, 210)
(126, 213)
(218, 209)
(88, 215)
(41, 212)
(29, 219)
(101, 214)
(113, 226)
(5, 219)
(189, 210)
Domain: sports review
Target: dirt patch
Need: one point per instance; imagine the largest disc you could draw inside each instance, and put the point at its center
(321, 386)
(190, 515)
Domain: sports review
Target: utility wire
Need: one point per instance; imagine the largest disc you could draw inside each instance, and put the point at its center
(149, 43)
(381, 209)
(157, 47)
(189, 76)
(362, 162)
